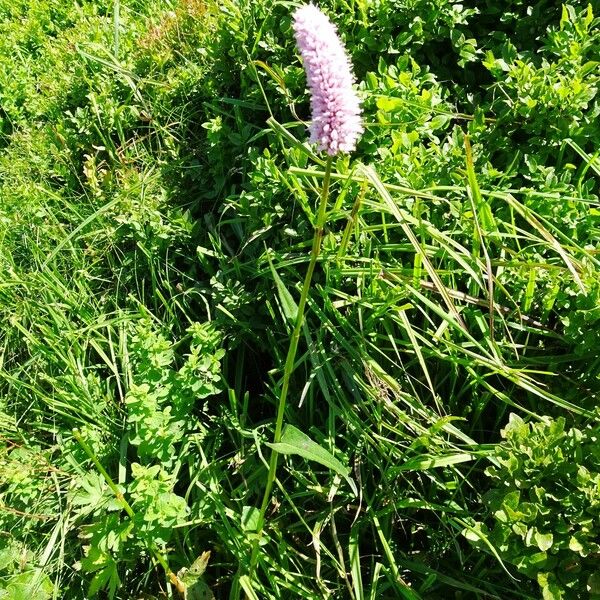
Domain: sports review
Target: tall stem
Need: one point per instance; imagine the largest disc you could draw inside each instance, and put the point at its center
(291, 357)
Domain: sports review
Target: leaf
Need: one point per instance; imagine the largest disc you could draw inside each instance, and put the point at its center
(388, 104)
(90, 491)
(195, 588)
(199, 591)
(439, 121)
(550, 589)
(477, 533)
(250, 515)
(30, 584)
(427, 461)
(575, 545)
(294, 142)
(593, 583)
(293, 441)
(544, 541)
(290, 308)
(537, 224)
(105, 578)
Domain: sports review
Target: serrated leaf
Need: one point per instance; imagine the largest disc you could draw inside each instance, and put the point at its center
(293, 441)
(107, 578)
(90, 491)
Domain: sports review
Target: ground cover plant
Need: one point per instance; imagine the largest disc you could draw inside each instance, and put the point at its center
(158, 197)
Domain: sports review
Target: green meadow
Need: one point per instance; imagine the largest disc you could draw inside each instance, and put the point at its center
(158, 201)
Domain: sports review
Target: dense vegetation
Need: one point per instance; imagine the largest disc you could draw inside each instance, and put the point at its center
(157, 199)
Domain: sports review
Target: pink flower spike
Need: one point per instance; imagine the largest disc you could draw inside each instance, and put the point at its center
(336, 124)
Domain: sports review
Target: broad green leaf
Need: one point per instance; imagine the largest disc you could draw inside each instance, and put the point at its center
(28, 585)
(439, 121)
(293, 441)
(388, 104)
(478, 534)
(575, 545)
(550, 589)
(199, 590)
(250, 515)
(544, 541)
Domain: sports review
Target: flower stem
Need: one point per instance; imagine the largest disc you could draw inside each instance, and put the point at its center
(291, 356)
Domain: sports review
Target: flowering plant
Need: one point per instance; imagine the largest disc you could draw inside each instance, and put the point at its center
(335, 107)
(335, 128)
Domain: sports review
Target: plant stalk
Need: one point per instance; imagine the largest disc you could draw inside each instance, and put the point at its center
(291, 357)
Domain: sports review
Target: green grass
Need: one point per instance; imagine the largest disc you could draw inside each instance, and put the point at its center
(157, 202)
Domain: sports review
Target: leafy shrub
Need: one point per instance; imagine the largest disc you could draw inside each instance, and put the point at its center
(162, 405)
(161, 399)
(556, 97)
(545, 504)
